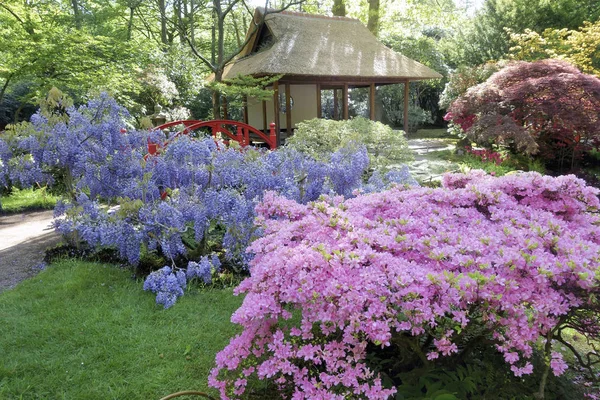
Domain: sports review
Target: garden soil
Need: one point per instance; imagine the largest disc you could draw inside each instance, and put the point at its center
(24, 239)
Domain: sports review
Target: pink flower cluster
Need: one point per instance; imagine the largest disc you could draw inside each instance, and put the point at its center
(514, 254)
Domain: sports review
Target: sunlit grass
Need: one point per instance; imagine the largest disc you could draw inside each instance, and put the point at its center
(437, 133)
(88, 331)
(27, 199)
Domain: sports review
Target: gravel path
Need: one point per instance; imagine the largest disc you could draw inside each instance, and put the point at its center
(426, 165)
(23, 241)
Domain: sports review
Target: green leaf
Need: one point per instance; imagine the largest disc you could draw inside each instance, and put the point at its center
(445, 396)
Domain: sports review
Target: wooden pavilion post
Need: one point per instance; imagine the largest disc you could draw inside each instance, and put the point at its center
(372, 102)
(345, 101)
(265, 122)
(336, 114)
(276, 111)
(319, 112)
(288, 110)
(406, 93)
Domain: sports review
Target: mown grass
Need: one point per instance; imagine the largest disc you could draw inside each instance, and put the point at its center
(27, 199)
(433, 133)
(82, 330)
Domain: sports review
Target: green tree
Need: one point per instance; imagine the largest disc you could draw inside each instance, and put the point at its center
(222, 51)
(580, 47)
(46, 44)
(486, 36)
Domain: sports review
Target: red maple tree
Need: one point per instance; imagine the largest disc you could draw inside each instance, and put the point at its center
(545, 108)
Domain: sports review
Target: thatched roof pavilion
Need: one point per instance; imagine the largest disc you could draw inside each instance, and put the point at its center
(326, 52)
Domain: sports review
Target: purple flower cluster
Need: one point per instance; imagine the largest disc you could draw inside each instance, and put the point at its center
(515, 257)
(167, 202)
(86, 152)
(167, 284)
(204, 268)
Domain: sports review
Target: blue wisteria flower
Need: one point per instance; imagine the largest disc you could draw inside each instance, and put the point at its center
(172, 201)
(199, 270)
(167, 285)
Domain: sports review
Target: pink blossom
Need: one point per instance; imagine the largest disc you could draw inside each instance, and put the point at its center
(558, 365)
(512, 254)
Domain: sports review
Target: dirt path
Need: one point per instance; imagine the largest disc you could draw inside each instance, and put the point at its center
(23, 240)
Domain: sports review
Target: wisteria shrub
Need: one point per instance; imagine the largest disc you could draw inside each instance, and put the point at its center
(190, 199)
(424, 273)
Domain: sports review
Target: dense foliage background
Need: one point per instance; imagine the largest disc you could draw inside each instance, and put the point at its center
(406, 290)
(148, 53)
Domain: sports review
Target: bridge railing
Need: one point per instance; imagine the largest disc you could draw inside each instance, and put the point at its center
(228, 129)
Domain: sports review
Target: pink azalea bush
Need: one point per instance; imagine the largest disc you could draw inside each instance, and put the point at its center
(515, 257)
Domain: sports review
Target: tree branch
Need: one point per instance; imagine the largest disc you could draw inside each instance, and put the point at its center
(200, 56)
(29, 30)
(228, 9)
(3, 90)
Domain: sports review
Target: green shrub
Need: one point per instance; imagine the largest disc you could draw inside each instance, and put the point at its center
(392, 100)
(320, 137)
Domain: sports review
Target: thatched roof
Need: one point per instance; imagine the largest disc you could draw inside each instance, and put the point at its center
(305, 45)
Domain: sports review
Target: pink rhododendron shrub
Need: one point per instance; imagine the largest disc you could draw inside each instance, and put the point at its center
(514, 258)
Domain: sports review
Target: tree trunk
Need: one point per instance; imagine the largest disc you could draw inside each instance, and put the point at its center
(76, 14)
(213, 40)
(373, 22)
(238, 34)
(4, 87)
(245, 22)
(339, 8)
(163, 21)
(216, 97)
(220, 56)
(191, 21)
(130, 23)
(178, 20)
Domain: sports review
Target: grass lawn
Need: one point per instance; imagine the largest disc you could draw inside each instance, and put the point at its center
(433, 133)
(82, 330)
(27, 199)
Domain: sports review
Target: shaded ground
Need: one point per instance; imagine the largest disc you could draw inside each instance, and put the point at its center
(427, 166)
(23, 241)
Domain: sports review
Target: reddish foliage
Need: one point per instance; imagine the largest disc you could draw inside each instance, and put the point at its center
(548, 108)
(486, 155)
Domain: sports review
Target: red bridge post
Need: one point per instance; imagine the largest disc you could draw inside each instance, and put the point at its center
(272, 136)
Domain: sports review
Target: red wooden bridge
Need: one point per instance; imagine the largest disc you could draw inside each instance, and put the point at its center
(240, 132)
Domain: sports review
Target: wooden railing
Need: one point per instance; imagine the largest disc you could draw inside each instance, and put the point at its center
(229, 130)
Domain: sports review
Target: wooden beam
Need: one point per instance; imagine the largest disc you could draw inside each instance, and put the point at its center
(245, 109)
(372, 102)
(336, 114)
(351, 80)
(406, 94)
(319, 113)
(276, 112)
(265, 122)
(288, 110)
(345, 101)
